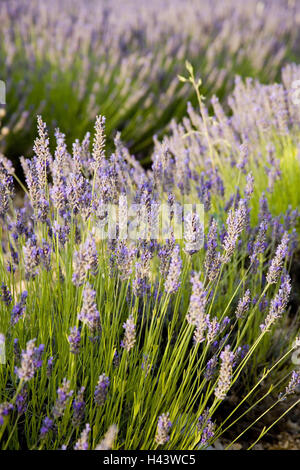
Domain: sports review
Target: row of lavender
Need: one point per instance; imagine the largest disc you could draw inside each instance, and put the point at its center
(77, 59)
(153, 342)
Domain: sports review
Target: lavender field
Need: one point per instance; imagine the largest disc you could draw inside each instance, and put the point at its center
(149, 224)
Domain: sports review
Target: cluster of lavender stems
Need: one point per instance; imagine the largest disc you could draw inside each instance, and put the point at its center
(90, 301)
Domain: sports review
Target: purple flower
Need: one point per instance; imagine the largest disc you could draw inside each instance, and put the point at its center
(42, 152)
(193, 233)
(236, 222)
(172, 282)
(129, 336)
(101, 390)
(164, 254)
(99, 142)
(61, 232)
(292, 385)
(45, 255)
(142, 271)
(21, 401)
(206, 427)
(249, 185)
(83, 442)
(17, 351)
(125, 257)
(211, 368)
(243, 160)
(19, 309)
(278, 303)
(5, 409)
(79, 268)
(6, 189)
(46, 427)
(243, 305)
(259, 245)
(30, 361)
(31, 258)
(64, 393)
(196, 313)
(163, 429)
(212, 258)
(225, 374)
(5, 294)
(240, 353)
(89, 314)
(85, 261)
(13, 261)
(79, 408)
(91, 255)
(278, 260)
(74, 340)
(213, 329)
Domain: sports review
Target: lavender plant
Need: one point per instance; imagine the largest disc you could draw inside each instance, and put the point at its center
(149, 341)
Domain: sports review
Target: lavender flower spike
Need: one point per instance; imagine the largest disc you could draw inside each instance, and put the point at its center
(31, 258)
(21, 401)
(85, 261)
(46, 427)
(260, 243)
(205, 427)
(212, 258)
(74, 340)
(211, 368)
(79, 267)
(99, 141)
(278, 260)
(83, 442)
(5, 295)
(292, 385)
(19, 309)
(249, 188)
(129, 337)
(78, 408)
(196, 312)
(236, 222)
(243, 305)
(101, 389)
(64, 393)
(213, 329)
(109, 438)
(163, 429)
(225, 374)
(193, 233)
(173, 277)
(89, 313)
(5, 409)
(278, 304)
(30, 362)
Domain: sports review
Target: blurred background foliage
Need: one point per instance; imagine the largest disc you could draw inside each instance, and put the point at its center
(70, 61)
